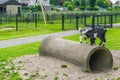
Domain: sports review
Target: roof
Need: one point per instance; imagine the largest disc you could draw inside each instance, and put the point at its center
(3, 1)
(9, 2)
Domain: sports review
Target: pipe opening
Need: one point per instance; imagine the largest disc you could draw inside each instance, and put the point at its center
(100, 60)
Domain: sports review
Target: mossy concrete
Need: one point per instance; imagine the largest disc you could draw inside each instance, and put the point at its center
(91, 58)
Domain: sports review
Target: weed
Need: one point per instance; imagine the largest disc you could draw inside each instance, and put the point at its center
(19, 79)
(18, 68)
(115, 68)
(25, 74)
(28, 79)
(46, 75)
(20, 62)
(65, 75)
(7, 70)
(85, 70)
(12, 67)
(63, 66)
(56, 78)
(33, 75)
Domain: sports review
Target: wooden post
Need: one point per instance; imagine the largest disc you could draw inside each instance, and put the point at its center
(97, 19)
(105, 19)
(93, 22)
(77, 17)
(16, 22)
(35, 20)
(62, 21)
(70, 18)
(85, 19)
(111, 20)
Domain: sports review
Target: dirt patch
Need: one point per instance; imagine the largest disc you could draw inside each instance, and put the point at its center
(47, 68)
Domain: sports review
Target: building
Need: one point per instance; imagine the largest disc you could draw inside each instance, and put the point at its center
(10, 7)
(117, 3)
(45, 3)
(28, 2)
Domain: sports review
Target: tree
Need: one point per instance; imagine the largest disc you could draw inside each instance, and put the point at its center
(82, 3)
(70, 7)
(104, 3)
(100, 3)
(66, 3)
(107, 3)
(77, 3)
(92, 3)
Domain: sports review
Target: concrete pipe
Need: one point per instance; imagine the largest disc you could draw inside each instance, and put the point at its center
(91, 58)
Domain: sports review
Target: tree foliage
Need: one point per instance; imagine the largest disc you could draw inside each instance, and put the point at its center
(104, 3)
(77, 3)
(92, 3)
(100, 3)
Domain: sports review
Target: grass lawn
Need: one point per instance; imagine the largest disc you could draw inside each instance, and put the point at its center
(29, 31)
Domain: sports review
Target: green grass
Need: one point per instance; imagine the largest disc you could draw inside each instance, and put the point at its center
(16, 51)
(112, 37)
(29, 31)
(7, 54)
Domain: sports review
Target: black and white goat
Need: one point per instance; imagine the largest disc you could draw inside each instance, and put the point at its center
(93, 34)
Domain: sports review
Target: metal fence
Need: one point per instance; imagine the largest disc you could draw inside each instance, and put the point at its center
(68, 20)
(90, 20)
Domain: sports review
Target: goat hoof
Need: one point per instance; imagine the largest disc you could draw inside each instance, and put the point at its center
(81, 42)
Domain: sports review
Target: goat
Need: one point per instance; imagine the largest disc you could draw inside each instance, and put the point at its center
(93, 34)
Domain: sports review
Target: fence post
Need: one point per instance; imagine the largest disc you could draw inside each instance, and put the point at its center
(6, 16)
(77, 17)
(81, 18)
(105, 19)
(111, 20)
(93, 22)
(35, 20)
(23, 17)
(101, 19)
(16, 22)
(62, 21)
(70, 18)
(0, 21)
(85, 19)
(98, 19)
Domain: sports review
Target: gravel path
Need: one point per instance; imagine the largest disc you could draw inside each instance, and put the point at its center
(26, 40)
(48, 68)
(116, 25)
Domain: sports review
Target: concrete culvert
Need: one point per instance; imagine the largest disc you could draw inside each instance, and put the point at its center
(91, 58)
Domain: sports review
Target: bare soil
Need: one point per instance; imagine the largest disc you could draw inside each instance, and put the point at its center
(48, 68)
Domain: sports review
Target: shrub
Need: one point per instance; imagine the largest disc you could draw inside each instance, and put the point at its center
(63, 65)
(82, 8)
(70, 7)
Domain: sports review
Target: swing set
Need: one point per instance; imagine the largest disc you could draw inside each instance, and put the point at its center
(42, 9)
